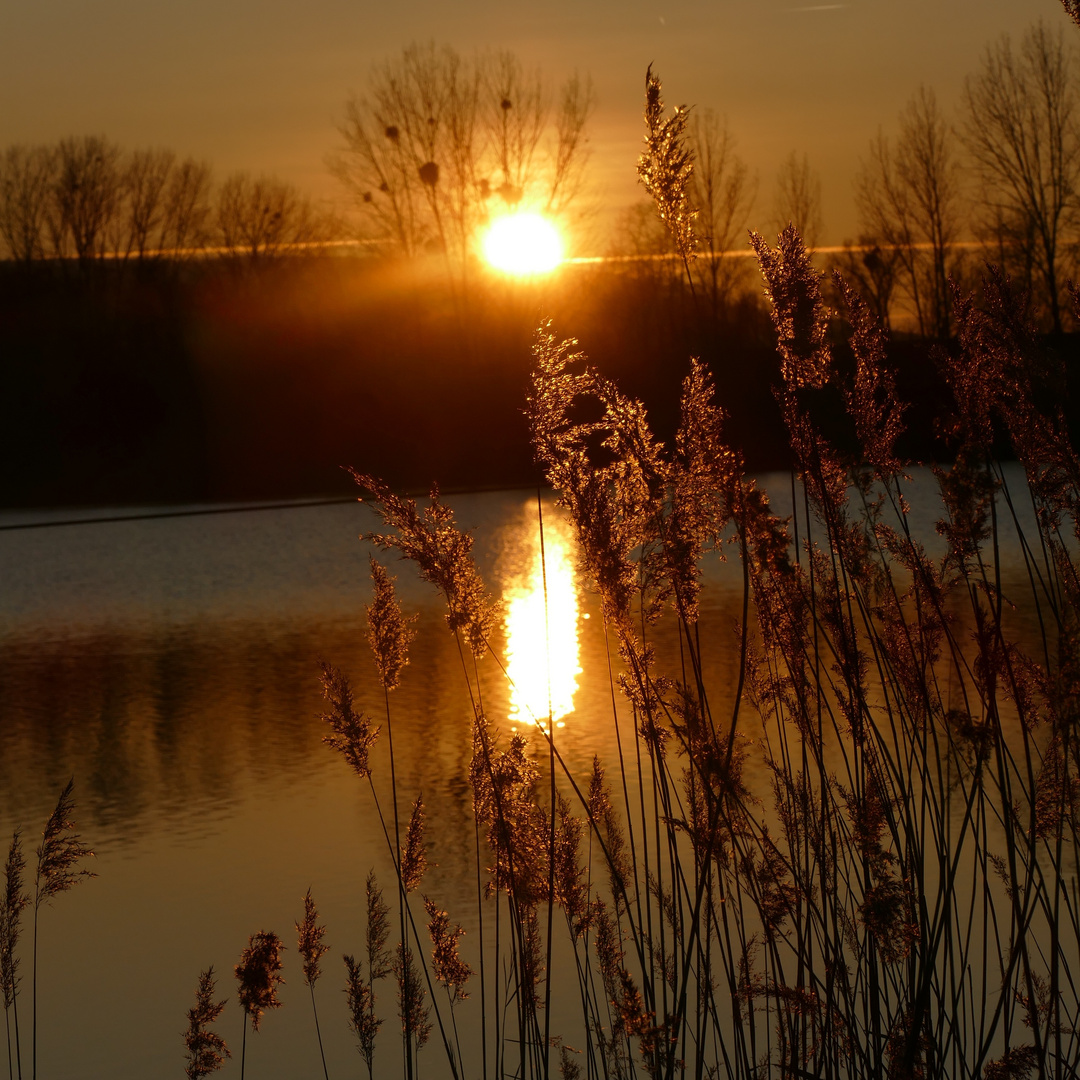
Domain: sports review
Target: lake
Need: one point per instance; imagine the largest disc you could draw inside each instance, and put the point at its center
(170, 666)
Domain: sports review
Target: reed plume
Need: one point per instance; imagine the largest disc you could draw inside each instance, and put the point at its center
(667, 166)
(414, 854)
(360, 1000)
(389, 631)
(448, 967)
(309, 943)
(13, 903)
(378, 929)
(443, 554)
(351, 732)
(360, 992)
(798, 311)
(59, 852)
(310, 934)
(257, 975)
(258, 979)
(206, 1050)
(412, 997)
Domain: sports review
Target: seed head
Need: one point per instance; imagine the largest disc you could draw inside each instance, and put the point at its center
(449, 968)
(59, 851)
(378, 929)
(360, 998)
(257, 974)
(309, 941)
(388, 630)
(414, 857)
(352, 733)
(206, 1049)
(14, 901)
(667, 166)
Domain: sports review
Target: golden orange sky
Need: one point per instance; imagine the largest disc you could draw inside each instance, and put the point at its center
(260, 84)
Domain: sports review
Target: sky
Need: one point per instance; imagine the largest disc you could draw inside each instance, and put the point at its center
(261, 84)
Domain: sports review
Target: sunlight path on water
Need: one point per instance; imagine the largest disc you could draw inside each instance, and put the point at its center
(543, 638)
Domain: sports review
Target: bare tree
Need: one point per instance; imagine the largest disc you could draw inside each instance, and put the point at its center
(26, 187)
(261, 217)
(146, 180)
(908, 196)
(1021, 129)
(87, 193)
(723, 192)
(797, 200)
(439, 143)
(571, 153)
(186, 212)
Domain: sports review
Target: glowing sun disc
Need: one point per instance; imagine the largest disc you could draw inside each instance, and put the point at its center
(523, 244)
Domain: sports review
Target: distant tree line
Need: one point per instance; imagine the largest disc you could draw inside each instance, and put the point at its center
(87, 199)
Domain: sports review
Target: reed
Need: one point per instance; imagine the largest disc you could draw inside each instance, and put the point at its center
(309, 944)
(903, 902)
(258, 979)
(206, 1050)
(13, 903)
(59, 852)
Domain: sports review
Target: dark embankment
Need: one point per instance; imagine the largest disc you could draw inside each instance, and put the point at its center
(215, 381)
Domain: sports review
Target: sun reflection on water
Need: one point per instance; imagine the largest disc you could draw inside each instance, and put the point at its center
(542, 649)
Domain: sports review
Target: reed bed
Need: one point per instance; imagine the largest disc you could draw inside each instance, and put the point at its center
(903, 903)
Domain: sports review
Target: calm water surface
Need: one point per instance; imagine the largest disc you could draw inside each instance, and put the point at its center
(170, 667)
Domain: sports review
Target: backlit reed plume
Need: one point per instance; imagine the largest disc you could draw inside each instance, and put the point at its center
(351, 732)
(206, 1049)
(360, 1001)
(705, 487)
(414, 854)
(610, 474)
(389, 631)
(412, 999)
(258, 977)
(667, 165)
(13, 903)
(443, 554)
(60, 851)
(378, 929)
(798, 312)
(447, 965)
(309, 943)
(872, 400)
(360, 992)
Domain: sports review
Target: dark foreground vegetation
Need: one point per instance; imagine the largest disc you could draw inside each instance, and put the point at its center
(211, 380)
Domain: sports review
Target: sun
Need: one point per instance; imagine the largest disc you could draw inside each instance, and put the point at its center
(524, 243)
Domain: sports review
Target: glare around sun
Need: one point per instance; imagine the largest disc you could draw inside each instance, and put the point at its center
(523, 243)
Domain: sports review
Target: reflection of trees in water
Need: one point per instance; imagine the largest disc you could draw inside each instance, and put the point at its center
(169, 729)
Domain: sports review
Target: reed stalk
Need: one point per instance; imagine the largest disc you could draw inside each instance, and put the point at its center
(59, 852)
(309, 944)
